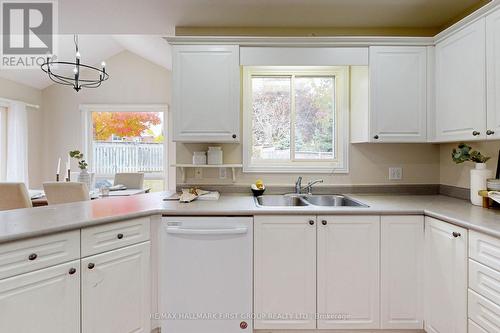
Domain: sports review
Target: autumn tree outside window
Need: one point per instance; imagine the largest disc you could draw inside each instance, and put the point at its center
(295, 119)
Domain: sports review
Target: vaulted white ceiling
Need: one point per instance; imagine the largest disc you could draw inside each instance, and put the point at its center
(94, 49)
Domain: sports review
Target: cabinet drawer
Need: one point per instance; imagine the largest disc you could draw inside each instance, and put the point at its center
(485, 249)
(475, 328)
(484, 312)
(114, 235)
(485, 281)
(36, 253)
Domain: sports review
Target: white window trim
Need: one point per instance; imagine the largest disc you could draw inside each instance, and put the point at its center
(3, 140)
(341, 164)
(169, 146)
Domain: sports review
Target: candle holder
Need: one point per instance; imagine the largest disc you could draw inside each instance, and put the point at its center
(68, 178)
(57, 177)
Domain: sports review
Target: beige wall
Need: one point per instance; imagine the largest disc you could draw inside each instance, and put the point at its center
(133, 80)
(369, 164)
(458, 174)
(36, 147)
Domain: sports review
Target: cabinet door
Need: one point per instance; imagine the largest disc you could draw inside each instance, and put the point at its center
(493, 74)
(348, 272)
(445, 277)
(285, 272)
(398, 93)
(402, 261)
(47, 300)
(116, 291)
(461, 85)
(206, 93)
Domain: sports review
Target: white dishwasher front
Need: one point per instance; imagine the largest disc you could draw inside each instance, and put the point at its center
(206, 274)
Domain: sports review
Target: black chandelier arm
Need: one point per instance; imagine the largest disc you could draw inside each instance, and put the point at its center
(58, 79)
(103, 76)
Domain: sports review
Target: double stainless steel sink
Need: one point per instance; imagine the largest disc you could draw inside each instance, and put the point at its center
(304, 200)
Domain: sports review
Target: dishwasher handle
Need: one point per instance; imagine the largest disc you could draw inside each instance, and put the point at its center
(200, 231)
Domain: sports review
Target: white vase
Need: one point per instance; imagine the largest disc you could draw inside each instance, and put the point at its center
(478, 177)
(84, 177)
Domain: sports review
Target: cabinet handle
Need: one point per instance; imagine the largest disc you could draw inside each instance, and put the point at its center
(456, 234)
(234, 136)
(91, 265)
(32, 256)
(490, 132)
(476, 133)
(119, 236)
(324, 222)
(376, 137)
(311, 222)
(72, 271)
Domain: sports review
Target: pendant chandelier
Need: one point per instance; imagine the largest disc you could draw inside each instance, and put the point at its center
(59, 71)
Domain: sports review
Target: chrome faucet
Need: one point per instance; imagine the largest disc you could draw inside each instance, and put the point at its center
(308, 188)
(298, 185)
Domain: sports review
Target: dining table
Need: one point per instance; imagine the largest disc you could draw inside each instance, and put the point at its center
(38, 198)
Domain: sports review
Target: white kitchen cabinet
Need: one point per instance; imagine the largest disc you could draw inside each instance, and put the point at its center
(285, 271)
(46, 300)
(398, 94)
(348, 272)
(116, 295)
(460, 112)
(206, 93)
(402, 260)
(445, 277)
(493, 74)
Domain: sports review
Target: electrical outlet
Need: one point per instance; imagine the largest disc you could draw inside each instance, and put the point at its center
(395, 173)
(198, 173)
(222, 173)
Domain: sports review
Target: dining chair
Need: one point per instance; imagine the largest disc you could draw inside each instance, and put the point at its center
(14, 196)
(65, 192)
(131, 180)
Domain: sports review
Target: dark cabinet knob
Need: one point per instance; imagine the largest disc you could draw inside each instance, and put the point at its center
(324, 222)
(32, 256)
(311, 222)
(91, 265)
(72, 271)
(376, 137)
(490, 132)
(476, 133)
(119, 236)
(456, 234)
(234, 136)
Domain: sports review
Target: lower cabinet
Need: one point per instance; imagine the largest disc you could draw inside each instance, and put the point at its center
(285, 272)
(46, 300)
(116, 291)
(402, 272)
(445, 277)
(348, 272)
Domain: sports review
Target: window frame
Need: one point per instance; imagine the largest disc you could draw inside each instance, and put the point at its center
(3, 140)
(169, 173)
(341, 162)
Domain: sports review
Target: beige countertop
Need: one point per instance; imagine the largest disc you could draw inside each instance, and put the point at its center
(24, 223)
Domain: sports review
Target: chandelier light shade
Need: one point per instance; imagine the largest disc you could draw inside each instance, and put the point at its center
(59, 72)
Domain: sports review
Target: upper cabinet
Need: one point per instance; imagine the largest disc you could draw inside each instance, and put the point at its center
(460, 112)
(206, 93)
(398, 94)
(493, 74)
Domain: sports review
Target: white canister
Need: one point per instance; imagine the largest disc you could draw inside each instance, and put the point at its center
(214, 155)
(478, 177)
(199, 157)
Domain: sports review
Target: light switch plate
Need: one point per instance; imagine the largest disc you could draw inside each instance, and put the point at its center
(395, 173)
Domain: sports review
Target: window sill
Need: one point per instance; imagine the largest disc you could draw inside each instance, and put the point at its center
(295, 169)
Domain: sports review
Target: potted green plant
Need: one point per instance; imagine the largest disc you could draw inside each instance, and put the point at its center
(84, 176)
(478, 175)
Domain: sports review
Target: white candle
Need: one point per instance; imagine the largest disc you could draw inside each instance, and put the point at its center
(68, 164)
(59, 166)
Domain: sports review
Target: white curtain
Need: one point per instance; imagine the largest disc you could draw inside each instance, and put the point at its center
(17, 143)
